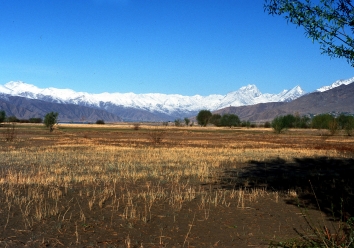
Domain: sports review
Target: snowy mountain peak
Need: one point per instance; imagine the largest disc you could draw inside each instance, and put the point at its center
(250, 89)
(336, 84)
(19, 86)
(297, 88)
(294, 93)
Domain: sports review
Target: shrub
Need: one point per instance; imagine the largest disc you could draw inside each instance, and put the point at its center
(35, 120)
(136, 126)
(253, 125)
(267, 124)
(100, 122)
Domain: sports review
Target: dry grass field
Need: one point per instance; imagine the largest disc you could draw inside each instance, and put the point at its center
(113, 186)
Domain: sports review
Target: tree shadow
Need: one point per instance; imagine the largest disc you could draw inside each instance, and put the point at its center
(322, 182)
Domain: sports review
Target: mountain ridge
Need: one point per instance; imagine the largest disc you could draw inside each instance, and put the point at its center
(25, 108)
(173, 105)
(157, 106)
(336, 84)
(336, 100)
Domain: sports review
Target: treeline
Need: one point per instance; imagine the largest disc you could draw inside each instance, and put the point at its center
(4, 118)
(280, 123)
(205, 117)
(30, 120)
(321, 121)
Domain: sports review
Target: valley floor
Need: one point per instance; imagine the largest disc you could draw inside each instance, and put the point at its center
(113, 186)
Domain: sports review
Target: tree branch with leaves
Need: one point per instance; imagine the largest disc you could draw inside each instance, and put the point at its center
(329, 22)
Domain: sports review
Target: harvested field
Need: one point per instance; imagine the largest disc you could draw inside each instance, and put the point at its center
(113, 186)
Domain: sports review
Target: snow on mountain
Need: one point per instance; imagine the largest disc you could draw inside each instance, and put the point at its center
(153, 102)
(336, 84)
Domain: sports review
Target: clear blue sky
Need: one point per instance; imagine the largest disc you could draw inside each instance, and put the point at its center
(158, 46)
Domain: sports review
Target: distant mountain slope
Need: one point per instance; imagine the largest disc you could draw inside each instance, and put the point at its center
(24, 108)
(251, 112)
(132, 114)
(160, 106)
(338, 99)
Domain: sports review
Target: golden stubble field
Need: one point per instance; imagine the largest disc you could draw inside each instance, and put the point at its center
(112, 186)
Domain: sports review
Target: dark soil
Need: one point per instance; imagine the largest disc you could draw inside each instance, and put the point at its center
(260, 222)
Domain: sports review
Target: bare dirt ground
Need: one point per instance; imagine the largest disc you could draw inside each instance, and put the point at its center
(112, 186)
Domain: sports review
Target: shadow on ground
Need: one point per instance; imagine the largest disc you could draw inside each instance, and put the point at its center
(324, 182)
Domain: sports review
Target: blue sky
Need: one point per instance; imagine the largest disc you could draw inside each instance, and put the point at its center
(183, 47)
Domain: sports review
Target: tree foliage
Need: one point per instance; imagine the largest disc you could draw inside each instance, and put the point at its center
(215, 120)
(50, 120)
(100, 122)
(349, 125)
(267, 124)
(289, 121)
(2, 116)
(35, 120)
(321, 121)
(246, 124)
(225, 120)
(346, 122)
(279, 124)
(12, 119)
(187, 121)
(229, 120)
(203, 117)
(329, 22)
(327, 121)
(301, 121)
(178, 122)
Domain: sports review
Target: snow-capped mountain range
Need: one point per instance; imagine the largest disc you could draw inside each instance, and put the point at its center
(172, 105)
(152, 102)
